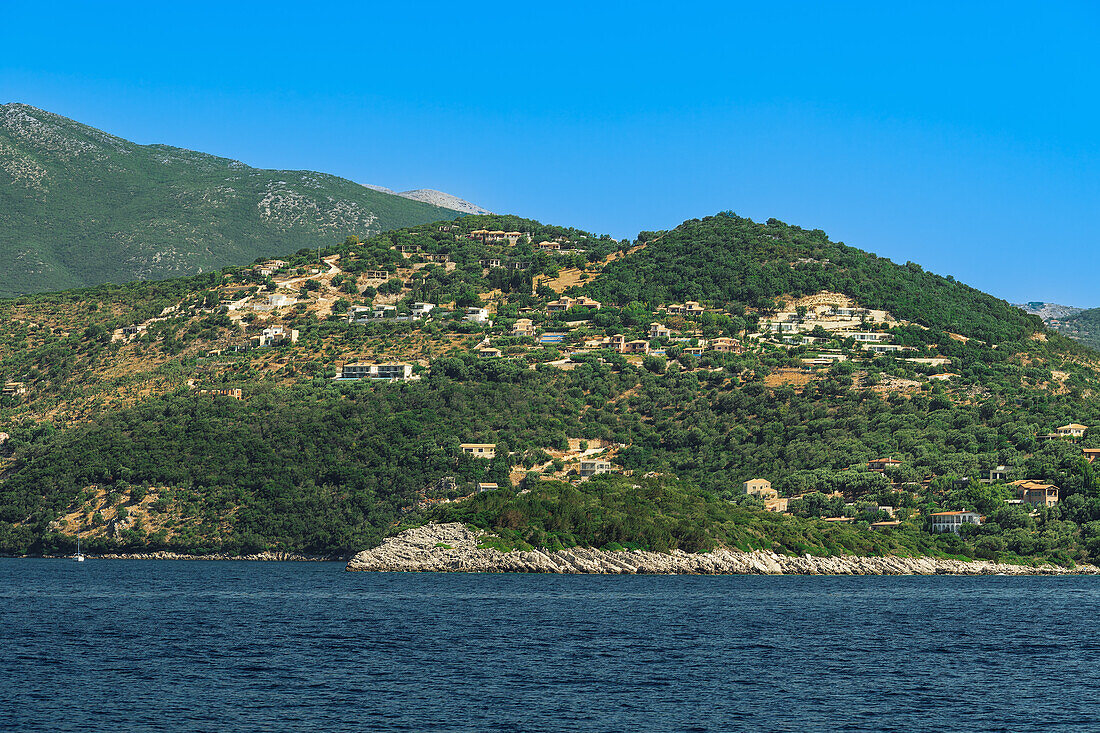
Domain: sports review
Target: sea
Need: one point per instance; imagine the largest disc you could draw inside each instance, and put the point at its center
(131, 645)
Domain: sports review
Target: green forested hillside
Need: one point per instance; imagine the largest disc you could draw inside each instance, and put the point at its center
(112, 439)
(736, 261)
(79, 207)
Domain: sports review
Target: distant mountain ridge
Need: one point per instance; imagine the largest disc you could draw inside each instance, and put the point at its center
(435, 198)
(1082, 324)
(1048, 311)
(80, 207)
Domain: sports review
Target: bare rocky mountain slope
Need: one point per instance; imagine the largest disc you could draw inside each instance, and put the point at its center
(80, 207)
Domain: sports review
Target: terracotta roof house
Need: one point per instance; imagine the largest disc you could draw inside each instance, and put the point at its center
(882, 464)
(1036, 493)
(523, 327)
(1091, 454)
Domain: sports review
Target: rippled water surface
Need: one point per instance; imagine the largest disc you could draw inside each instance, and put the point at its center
(236, 646)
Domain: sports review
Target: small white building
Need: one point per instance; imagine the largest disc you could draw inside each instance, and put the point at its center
(476, 315)
(594, 467)
(659, 331)
(279, 300)
(277, 335)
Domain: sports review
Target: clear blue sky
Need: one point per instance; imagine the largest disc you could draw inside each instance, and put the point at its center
(963, 136)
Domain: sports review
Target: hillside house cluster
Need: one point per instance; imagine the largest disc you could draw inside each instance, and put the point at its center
(269, 268)
(486, 236)
(384, 312)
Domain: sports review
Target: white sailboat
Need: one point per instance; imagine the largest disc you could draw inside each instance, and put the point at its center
(79, 556)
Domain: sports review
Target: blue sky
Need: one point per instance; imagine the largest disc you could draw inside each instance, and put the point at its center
(963, 136)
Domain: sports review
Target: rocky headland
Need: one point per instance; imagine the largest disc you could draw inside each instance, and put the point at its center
(454, 548)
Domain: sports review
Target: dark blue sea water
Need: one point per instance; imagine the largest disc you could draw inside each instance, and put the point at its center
(236, 646)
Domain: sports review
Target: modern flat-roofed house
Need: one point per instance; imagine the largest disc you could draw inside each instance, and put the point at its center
(376, 274)
(1000, 473)
(658, 331)
(1036, 493)
(868, 337)
(886, 348)
(512, 237)
(12, 389)
(486, 486)
(882, 464)
(594, 467)
(387, 372)
(1090, 454)
(278, 300)
(422, 310)
(277, 335)
(476, 315)
(479, 450)
(951, 521)
(359, 313)
(760, 487)
(1073, 430)
(489, 352)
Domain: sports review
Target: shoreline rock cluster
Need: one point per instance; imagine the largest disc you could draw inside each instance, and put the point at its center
(453, 547)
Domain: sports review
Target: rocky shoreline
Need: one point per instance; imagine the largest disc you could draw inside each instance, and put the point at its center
(162, 555)
(454, 548)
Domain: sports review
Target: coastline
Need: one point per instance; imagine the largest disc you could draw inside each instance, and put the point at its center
(454, 548)
(267, 556)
